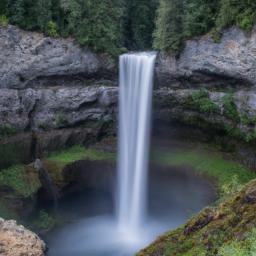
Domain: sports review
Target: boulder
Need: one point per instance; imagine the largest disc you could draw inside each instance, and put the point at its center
(16, 240)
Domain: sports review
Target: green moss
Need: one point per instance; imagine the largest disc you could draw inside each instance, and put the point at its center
(20, 179)
(211, 164)
(7, 130)
(225, 230)
(45, 221)
(77, 153)
(230, 108)
(60, 120)
(201, 100)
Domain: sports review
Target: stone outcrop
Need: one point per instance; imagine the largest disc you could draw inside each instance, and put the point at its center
(56, 107)
(51, 87)
(18, 241)
(228, 63)
(29, 59)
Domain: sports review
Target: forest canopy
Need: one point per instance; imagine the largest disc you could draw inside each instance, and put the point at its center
(112, 26)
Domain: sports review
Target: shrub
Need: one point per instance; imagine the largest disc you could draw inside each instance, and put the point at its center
(201, 100)
(4, 21)
(60, 120)
(52, 29)
(45, 221)
(230, 107)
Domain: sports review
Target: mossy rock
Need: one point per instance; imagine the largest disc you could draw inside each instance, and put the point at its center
(213, 229)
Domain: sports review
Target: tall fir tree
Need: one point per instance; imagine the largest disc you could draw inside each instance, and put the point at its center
(44, 14)
(16, 12)
(168, 35)
(100, 26)
(141, 22)
(199, 16)
(3, 7)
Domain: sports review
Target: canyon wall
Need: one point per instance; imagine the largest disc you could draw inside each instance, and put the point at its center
(51, 86)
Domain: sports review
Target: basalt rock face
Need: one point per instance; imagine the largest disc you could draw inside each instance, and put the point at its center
(18, 241)
(53, 90)
(30, 59)
(56, 107)
(203, 62)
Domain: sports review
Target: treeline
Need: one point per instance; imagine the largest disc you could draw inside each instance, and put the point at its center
(103, 25)
(113, 26)
(179, 20)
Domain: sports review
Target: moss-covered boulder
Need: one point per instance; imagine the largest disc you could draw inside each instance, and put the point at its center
(225, 230)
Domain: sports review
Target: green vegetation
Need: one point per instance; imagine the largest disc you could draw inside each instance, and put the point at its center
(201, 100)
(112, 26)
(60, 120)
(45, 221)
(229, 174)
(3, 21)
(178, 20)
(77, 153)
(23, 181)
(225, 230)
(168, 34)
(230, 108)
(139, 17)
(7, 130)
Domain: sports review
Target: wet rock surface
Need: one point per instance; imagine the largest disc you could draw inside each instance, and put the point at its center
(16, 240)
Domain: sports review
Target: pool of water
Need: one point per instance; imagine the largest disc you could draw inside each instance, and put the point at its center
(90, 228)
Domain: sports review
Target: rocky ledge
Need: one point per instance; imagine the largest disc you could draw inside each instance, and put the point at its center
(229, 63)
(29, 59)
(18, 241)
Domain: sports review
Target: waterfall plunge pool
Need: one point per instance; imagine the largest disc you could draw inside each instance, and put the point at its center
(90, 227)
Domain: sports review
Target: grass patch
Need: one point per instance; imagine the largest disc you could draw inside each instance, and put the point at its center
(77, 153)
(20, 179)
(228, 174)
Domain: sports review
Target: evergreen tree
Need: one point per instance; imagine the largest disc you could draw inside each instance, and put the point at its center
(100, 26)
(3, 7)
(168, 35)
(16, 12)
(236, 12)
(44, 14)
(141, 19)
(199, 17)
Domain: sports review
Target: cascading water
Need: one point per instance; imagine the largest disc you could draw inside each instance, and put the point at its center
(135, 104)
(103, 234)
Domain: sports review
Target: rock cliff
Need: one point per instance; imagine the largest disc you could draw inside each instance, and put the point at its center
(50, 84)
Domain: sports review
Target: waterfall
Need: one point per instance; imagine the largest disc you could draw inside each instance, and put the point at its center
(135, 107)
